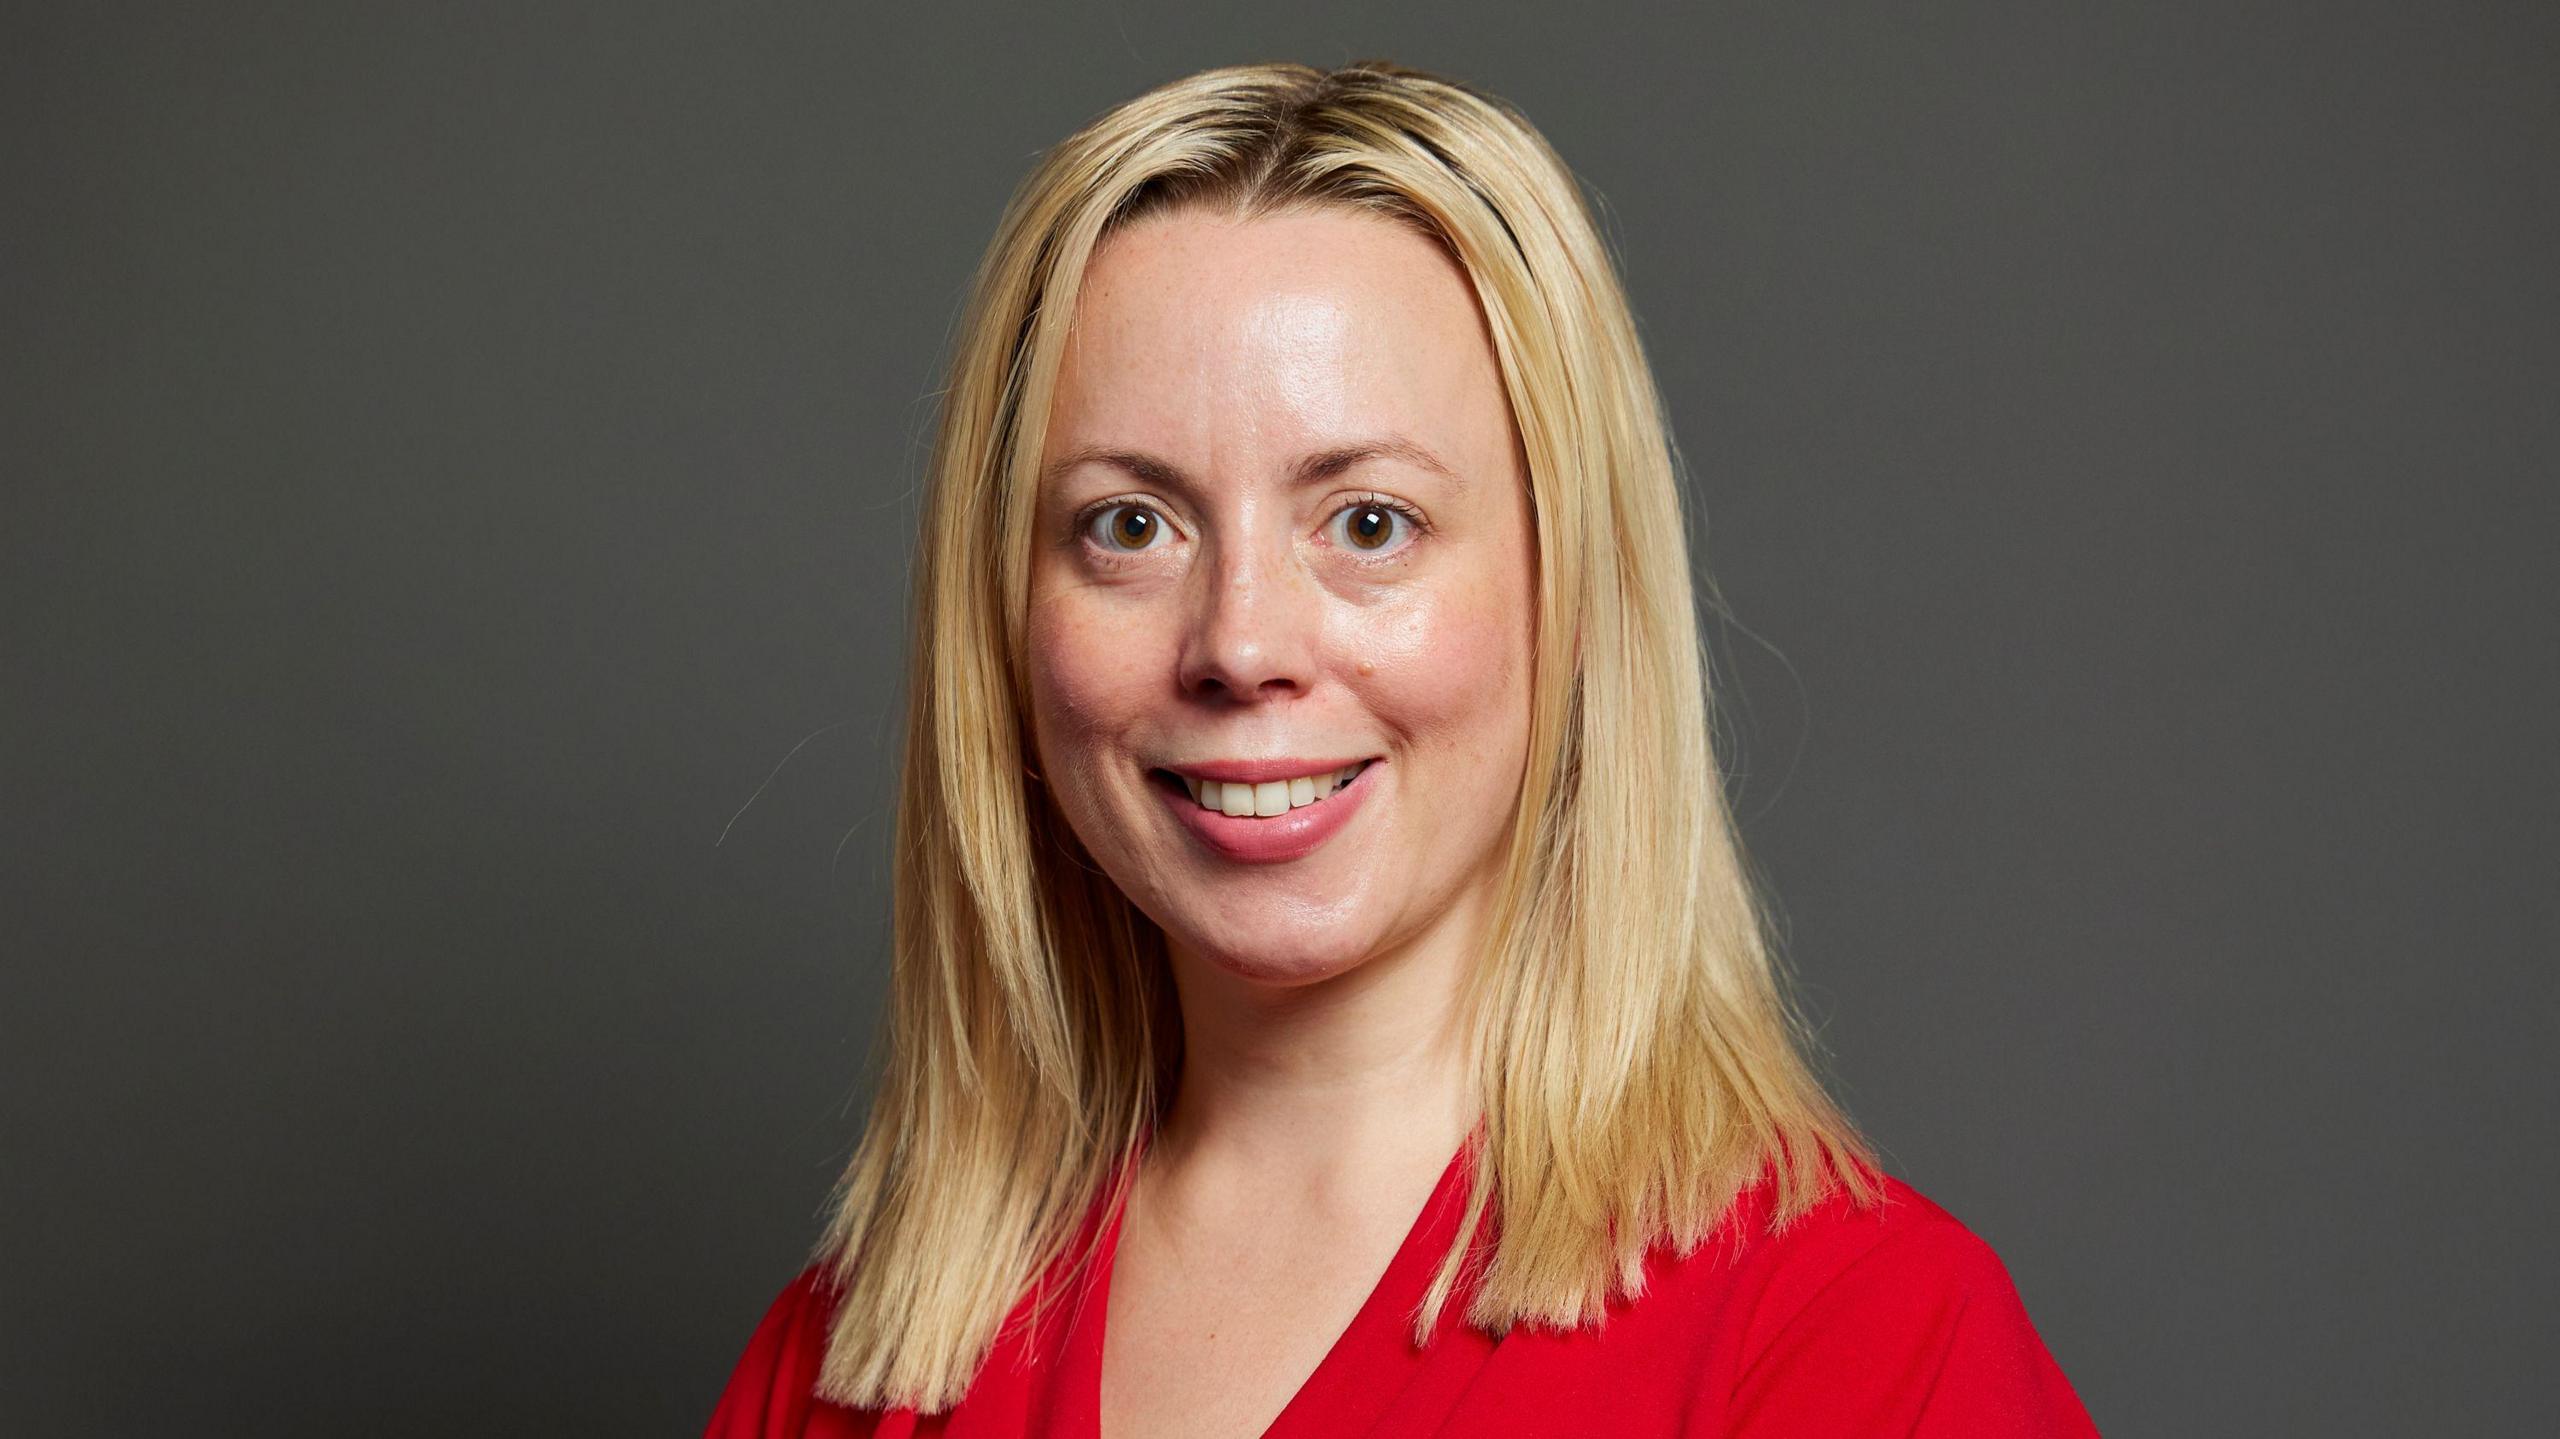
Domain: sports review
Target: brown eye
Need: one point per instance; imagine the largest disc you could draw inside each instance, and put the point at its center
(1127, 528)
(1371, 527)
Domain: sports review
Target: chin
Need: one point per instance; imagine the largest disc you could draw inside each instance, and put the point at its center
(1305, 958)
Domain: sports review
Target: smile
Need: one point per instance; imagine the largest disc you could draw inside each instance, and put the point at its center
(1259, 813)
(1268, 799)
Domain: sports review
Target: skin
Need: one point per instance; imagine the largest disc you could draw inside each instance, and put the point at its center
(1324, 1086)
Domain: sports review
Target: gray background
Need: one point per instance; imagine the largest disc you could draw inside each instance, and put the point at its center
(452, 459)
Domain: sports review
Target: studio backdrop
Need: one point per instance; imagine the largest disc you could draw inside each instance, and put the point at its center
(457, 473)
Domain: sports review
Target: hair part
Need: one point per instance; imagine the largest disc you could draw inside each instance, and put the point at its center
(1637, 1059)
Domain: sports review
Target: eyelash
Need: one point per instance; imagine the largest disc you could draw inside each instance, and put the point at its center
(1087, 517)
(1108, 554)
(1415, 523)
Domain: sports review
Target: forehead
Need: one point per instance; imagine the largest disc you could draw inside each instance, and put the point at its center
(1199, 332)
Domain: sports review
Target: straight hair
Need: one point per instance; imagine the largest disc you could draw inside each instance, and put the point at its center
(1639, 1062)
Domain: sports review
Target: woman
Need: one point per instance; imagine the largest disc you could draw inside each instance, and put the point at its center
(1328, 995)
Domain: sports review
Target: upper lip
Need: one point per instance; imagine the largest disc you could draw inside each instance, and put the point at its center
(1261, 771)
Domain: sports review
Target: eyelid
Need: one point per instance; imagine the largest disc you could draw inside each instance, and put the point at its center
(1080, 528)
(1417, 526)
(1080, 525)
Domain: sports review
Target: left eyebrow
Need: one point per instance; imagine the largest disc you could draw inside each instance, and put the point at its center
(1326, 464)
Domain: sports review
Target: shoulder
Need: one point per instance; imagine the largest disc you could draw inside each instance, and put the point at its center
(799, 1314)
(772, 1389)
(1902, 1244)
(1882, 1317)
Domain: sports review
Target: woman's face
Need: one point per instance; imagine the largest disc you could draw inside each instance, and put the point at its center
(1280, 613)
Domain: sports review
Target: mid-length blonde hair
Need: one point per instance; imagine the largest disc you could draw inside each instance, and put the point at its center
(1638, 1061)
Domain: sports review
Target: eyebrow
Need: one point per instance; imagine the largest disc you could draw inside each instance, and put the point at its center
(1311, 468)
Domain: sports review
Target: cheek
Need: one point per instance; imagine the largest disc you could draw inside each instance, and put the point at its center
(1452, 671)
(1086, 679)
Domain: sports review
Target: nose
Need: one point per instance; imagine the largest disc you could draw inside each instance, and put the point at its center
(1251, 634)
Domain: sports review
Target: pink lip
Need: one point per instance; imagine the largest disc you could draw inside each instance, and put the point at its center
(1276, 840)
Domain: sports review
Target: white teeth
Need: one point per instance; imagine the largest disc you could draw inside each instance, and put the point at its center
(1270, 799)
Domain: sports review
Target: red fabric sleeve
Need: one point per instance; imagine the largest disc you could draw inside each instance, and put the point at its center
(771, 1394)
(1924, 1336)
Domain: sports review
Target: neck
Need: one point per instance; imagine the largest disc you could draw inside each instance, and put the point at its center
(1321, 1087)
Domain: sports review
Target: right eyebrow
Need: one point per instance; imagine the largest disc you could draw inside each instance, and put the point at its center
(1143, 467)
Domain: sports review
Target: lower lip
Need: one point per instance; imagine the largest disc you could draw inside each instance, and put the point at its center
(1276, 840)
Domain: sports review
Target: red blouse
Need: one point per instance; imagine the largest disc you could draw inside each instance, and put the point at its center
(1895, 1320)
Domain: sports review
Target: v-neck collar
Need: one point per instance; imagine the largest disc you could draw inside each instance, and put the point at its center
(1370, 1364)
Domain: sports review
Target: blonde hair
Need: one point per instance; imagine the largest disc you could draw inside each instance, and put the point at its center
(1638, 1061)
